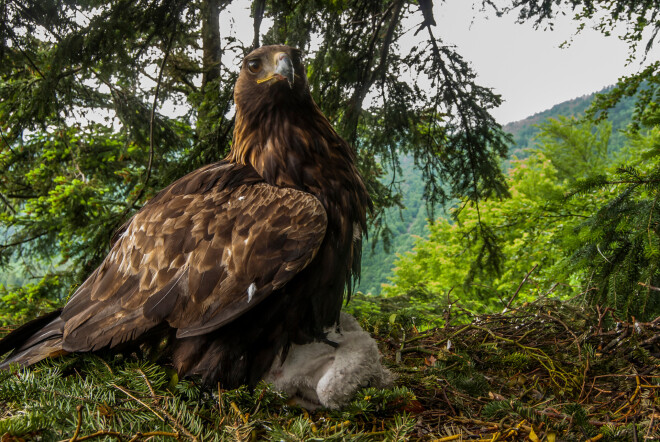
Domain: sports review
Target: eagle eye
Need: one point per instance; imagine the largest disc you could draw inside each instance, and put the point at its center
(254, 65)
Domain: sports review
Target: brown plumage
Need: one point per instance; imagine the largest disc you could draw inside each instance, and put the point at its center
(229, 265)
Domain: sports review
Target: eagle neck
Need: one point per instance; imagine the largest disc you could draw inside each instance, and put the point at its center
(291, 148)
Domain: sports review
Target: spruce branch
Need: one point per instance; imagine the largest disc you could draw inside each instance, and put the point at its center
(127, 393)
(7, 204)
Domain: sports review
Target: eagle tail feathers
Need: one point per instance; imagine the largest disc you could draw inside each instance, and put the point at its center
(36, 340)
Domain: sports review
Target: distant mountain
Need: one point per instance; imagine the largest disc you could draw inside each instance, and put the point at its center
(524, 131)
(377, 265)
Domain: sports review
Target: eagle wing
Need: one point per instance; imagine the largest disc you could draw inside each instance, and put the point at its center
(196, 259)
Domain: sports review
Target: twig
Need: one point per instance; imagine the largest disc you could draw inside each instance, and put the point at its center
(444, 394)
(22, 241)
(146, 380)
(2, 135)
(127, 393)
(601, 254)
(418, 350)
(106, 365)
(629, 402)
(657, 289)
(175, 423)
(239, 412)
(449, 438)
(650, 340)
(577, 343)
(153, 433)
(7, 203)
(584, 381)
(78, 425)
(518, 289)
(339, 426)
(615, 342)
(100, 433)
(415, 338)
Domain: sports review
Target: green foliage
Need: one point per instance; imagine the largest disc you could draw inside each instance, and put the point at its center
(499, 369)
(594, 242)
(21, 304)
(497, 410)
(418, 307)
(446, 260)
(618, 246)
(51, 393)
(614, 250)
(407, 223)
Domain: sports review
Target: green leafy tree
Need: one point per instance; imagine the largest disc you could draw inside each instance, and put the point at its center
(616, 247)
(579, 221)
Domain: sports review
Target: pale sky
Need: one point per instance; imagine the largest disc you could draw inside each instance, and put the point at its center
(526, 66)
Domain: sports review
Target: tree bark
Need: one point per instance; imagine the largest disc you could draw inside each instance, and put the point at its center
(258, 7)
(211, 40)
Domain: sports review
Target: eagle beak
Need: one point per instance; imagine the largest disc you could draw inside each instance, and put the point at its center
(284, 67)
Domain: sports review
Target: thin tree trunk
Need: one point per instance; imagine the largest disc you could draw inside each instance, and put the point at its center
(211, 40)
(208, 116)
(258, 7)
(371, 74)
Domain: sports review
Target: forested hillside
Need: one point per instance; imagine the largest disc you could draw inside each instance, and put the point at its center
(406, 223)
(525, 131)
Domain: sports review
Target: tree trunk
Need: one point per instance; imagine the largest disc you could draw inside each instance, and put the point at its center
(258, 7)
(211, 40)
(210, 127)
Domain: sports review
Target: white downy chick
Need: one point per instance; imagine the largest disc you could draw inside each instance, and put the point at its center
(318, 374)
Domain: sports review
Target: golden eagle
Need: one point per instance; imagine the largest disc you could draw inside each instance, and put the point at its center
(230, 265)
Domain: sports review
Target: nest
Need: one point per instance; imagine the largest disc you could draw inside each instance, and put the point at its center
(543, 372)
(548, 371)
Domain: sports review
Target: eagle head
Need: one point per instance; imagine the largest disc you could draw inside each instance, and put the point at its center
(271, 77)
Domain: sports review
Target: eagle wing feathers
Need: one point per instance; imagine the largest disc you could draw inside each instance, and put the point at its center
(206, 250)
